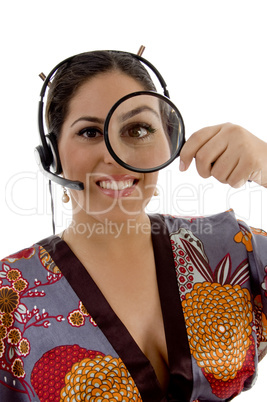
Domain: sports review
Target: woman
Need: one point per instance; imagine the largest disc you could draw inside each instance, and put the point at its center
(125, 306)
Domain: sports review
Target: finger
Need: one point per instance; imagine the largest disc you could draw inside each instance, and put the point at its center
(222, 174)
(214, 152)
(194, 143)
(239, 175)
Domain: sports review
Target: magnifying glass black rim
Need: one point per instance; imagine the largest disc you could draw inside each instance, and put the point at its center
(115, 156)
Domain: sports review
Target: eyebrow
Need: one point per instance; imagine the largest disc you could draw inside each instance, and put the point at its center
(138, 110)
(90, 119)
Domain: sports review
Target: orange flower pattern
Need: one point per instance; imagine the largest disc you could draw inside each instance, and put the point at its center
(99, 379)
(7, 320)
(218, 320)
(77, 318)
(13, 274)
(24, 347)
(2, 348)
(20, 285)
(9, 300)
(218, 312)
(3, 331)
(17, 368)
(83, 309)
(14, 336)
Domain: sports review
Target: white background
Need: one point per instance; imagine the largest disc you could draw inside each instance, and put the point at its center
(212, 55)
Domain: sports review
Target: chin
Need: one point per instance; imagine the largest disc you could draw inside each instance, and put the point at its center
(117, 215)
(102, 208)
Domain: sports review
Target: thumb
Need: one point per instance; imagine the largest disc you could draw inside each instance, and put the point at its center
(182, 166)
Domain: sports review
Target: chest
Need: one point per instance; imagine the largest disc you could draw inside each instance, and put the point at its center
(131, 289)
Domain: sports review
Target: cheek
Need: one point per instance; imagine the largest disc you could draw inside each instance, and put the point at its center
(150, 182)
(75, 160)
(64, 154)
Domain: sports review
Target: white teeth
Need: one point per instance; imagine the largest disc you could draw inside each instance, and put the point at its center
(116, 185)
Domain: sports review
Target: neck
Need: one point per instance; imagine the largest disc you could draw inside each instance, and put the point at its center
(112, 234)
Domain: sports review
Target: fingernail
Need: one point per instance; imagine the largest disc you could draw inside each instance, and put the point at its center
(182, 166)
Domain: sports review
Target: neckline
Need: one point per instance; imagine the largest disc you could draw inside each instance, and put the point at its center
(139, 366)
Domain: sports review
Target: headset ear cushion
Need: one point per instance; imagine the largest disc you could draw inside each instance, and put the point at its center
(52, 144)
(40, 157)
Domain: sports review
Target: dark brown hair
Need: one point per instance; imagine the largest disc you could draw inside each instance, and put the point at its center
(70, 76)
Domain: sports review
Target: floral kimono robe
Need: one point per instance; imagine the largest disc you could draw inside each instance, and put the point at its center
(61, 341)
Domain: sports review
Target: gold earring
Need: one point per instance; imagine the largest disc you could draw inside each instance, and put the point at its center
(156, 192)
(65, 196)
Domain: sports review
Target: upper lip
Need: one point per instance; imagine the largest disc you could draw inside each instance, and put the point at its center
(124, 177)
(118, 180)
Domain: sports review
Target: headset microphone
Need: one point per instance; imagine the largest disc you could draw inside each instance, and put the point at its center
(74, 185)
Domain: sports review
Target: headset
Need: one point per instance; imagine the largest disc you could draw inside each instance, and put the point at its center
(46, 154)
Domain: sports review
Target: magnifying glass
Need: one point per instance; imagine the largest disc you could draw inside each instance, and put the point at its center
(144, 131)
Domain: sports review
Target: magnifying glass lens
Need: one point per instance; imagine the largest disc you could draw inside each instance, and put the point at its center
(144, 131)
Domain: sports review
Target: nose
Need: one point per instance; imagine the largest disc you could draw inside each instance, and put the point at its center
(108, 158)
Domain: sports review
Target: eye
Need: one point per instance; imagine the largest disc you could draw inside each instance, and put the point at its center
(90, 133)
(139, 130)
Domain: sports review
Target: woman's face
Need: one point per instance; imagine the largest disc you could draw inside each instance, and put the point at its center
(110, 191)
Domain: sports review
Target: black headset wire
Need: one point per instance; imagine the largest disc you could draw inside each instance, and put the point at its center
(52, 206)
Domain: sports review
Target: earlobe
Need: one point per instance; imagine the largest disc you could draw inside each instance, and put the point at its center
(156, 192)
(65, 196)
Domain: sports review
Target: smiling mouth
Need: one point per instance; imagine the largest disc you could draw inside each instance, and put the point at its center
(117, 185)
